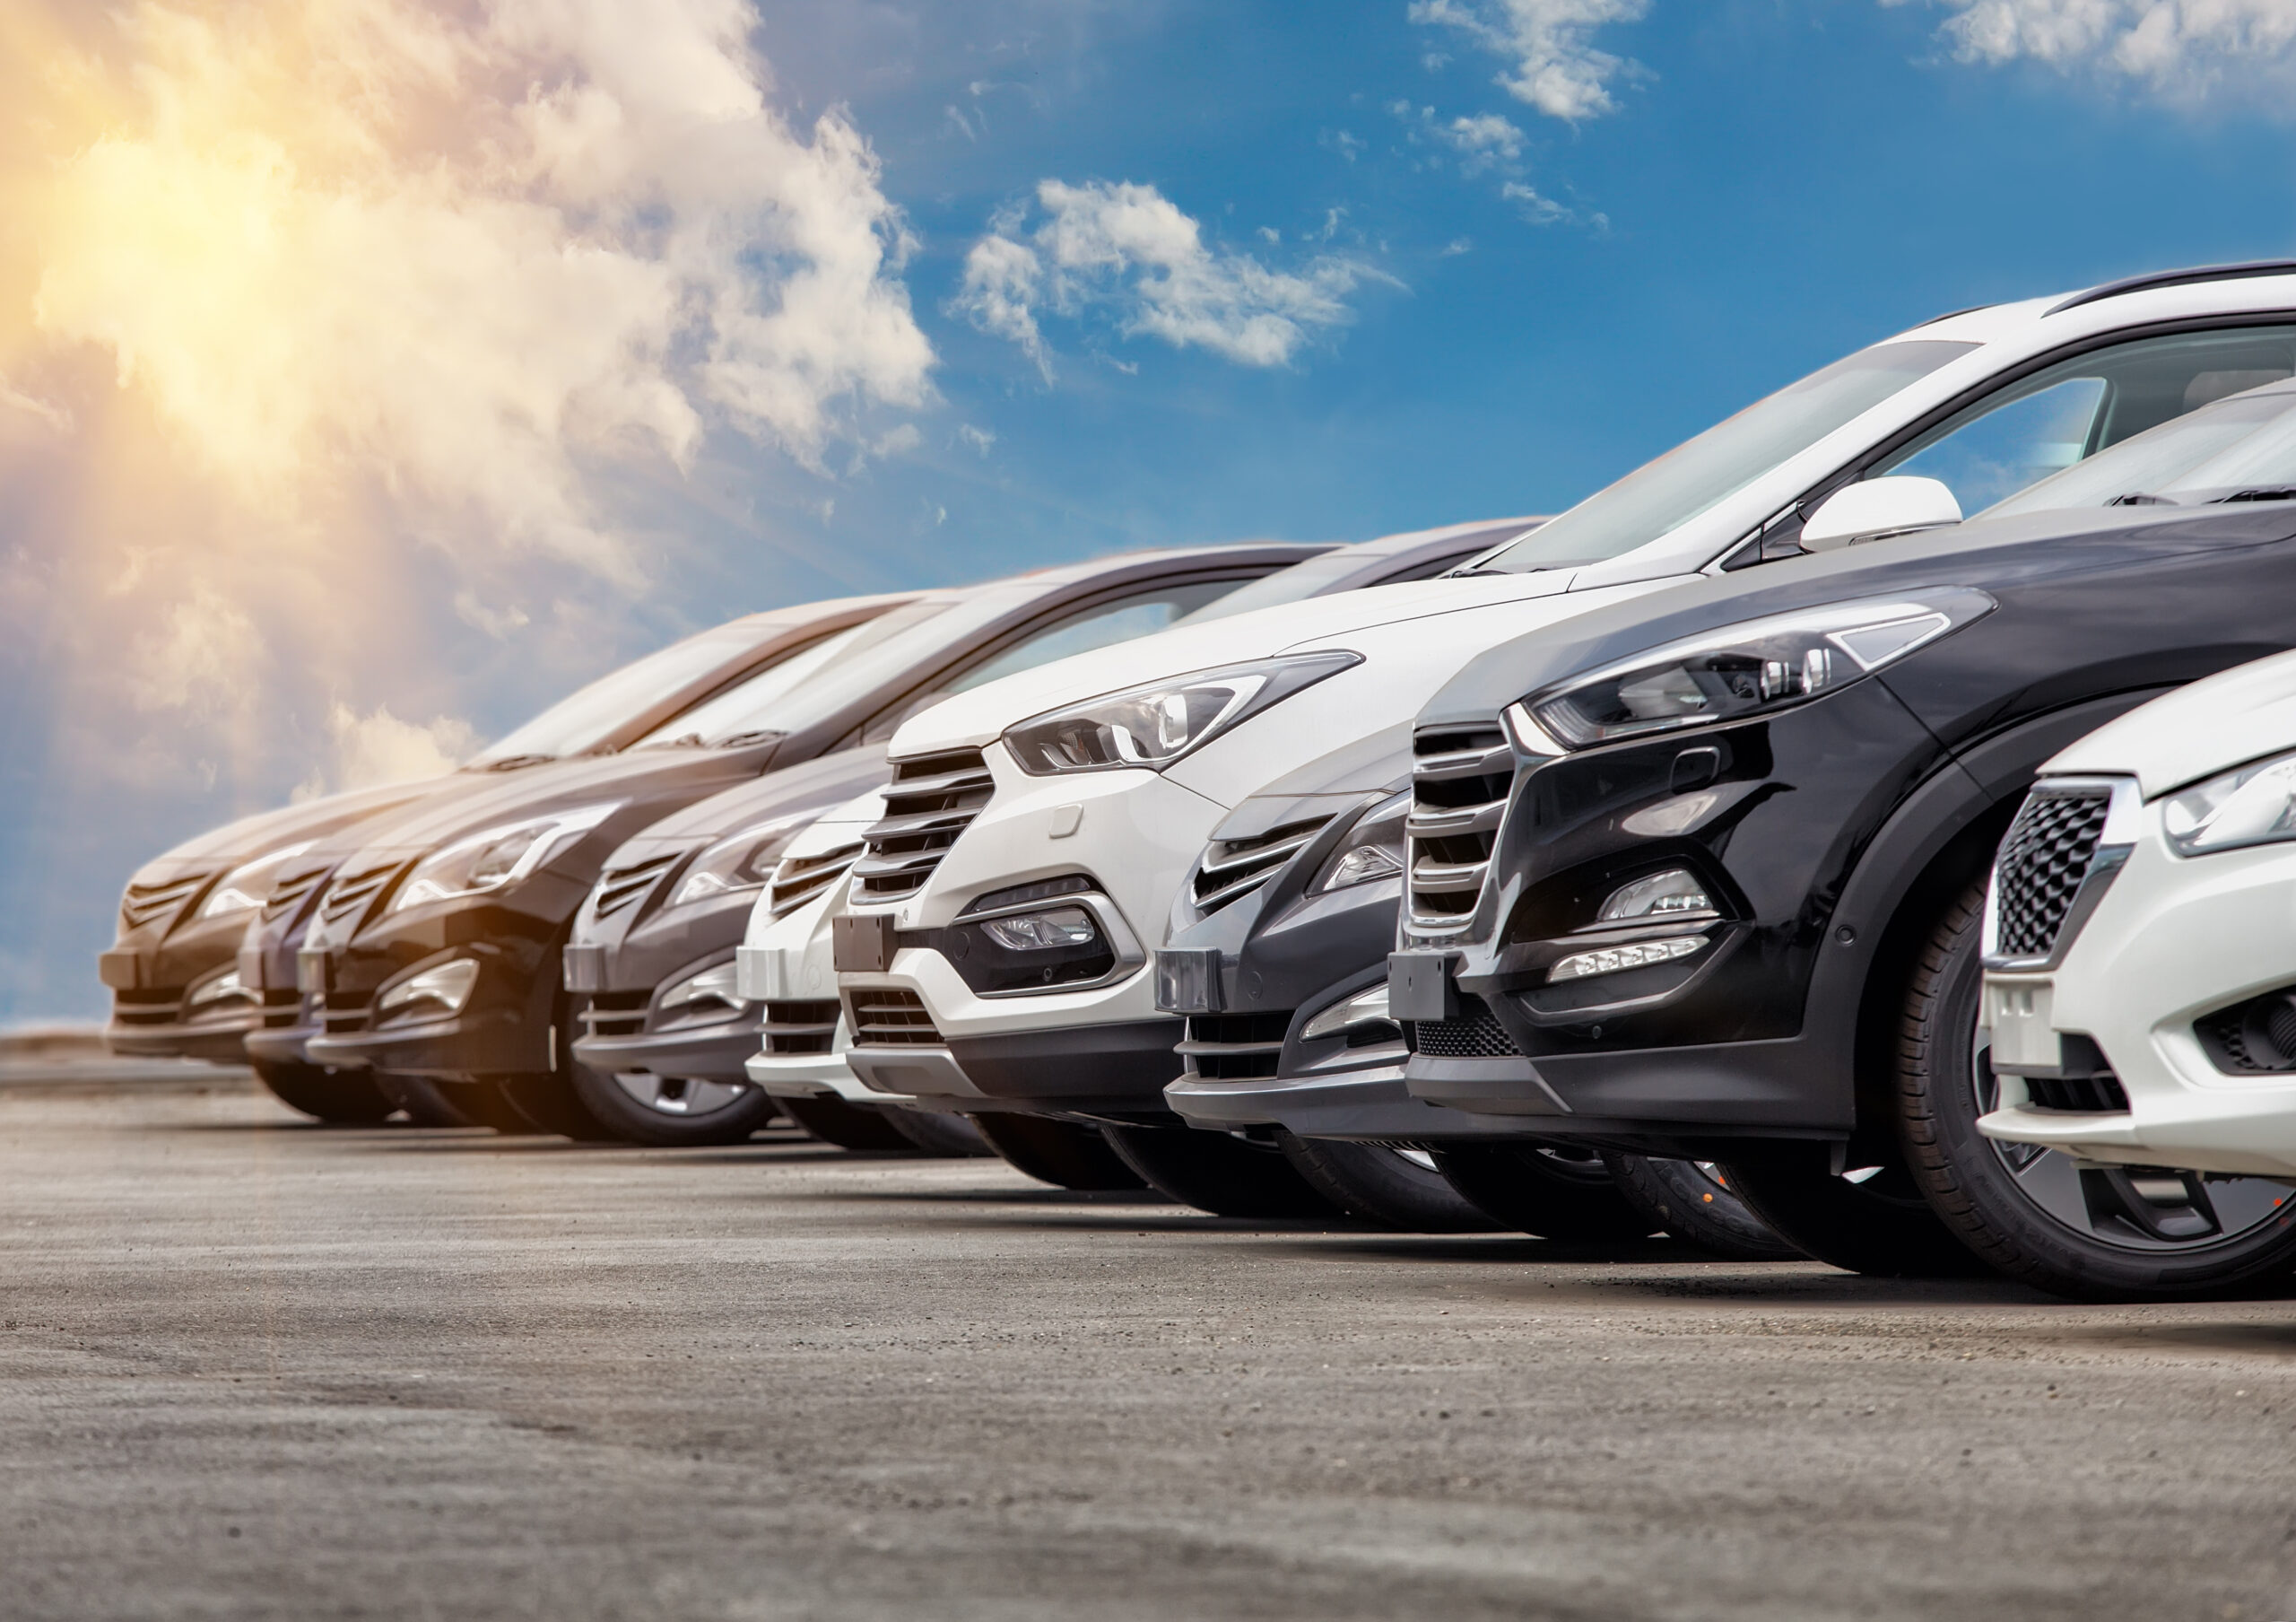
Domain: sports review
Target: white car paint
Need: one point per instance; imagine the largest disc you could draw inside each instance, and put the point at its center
(2174, 939)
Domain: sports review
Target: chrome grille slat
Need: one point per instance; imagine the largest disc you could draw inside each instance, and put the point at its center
(291, 891)
(1461, 779)
(146, 904)
(1232, 868)
(806, 1026)
(931, 801)
(624, 887)
(354, 890)
(890, 1017)
(796, 880)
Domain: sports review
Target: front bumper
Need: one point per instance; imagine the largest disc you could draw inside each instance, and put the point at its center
(1371, 1105)
(2174, 941)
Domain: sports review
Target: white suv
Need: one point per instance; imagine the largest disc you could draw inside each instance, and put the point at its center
(996, 953)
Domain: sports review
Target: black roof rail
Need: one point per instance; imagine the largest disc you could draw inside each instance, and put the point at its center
(2177, 278)
(1966, 310)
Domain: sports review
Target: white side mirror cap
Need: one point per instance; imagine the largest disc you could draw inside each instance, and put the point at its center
(1875, 508)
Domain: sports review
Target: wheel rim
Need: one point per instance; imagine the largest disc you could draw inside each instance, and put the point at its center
(2147, 1210)
(681, 1098)
(1421, 1158)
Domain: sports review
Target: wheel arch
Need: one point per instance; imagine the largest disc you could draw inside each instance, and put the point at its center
(1939, 839)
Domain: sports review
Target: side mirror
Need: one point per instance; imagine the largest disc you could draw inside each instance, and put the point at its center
(1873, 508)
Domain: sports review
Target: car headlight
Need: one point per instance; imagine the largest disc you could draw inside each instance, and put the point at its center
(1748, 668)
(2250, 805)
(741, 861)
(497, 858)
(1372, 849)
(247, 885)
(1156, 725)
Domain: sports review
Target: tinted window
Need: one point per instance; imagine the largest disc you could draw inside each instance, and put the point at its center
(585, 720)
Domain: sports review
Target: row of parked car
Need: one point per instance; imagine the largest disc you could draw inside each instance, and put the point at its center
(1761, 851)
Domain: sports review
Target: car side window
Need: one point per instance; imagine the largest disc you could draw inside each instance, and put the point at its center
(2068, 412)
(1100, 625)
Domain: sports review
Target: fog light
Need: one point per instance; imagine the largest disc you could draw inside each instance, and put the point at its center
(1364, 1008)
(448, 986)
(1042, 931)
(1674, 893)
(721, 983)
(1609, 960)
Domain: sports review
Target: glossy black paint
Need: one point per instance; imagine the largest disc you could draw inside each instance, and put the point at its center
(1829, 823)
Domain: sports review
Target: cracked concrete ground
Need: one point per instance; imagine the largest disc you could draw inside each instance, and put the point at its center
(254, 1369)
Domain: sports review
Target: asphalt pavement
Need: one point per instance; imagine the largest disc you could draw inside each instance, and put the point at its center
(250, 1368)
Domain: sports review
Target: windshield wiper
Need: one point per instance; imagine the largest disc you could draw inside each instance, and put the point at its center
(2263, 493)
(741, 740)
(511, 762)
(2138, 498)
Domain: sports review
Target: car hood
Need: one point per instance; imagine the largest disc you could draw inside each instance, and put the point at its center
(970, 719)
(562, 785)
(818, 786)
(1984, 551)
(253, 836)
(2212, 726)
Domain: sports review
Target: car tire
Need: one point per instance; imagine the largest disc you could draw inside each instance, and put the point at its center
(632, 1121)
(1058, 1152)
(424, 1101)
(1215, 1172)
(332, 1097)
(2094, 1235)
(942, 1137)
(1695, 1203)
(1550, 1192)
(847, 1126)
(1376, 1183)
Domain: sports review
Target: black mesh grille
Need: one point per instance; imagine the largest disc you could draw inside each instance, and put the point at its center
(887, 1017)
(933, 799)
(2041, 864)
(1475, 1034)
(1235, 1047)
(800, 1027)
(1459, 782)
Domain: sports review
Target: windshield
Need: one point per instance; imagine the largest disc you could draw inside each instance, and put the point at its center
(1296, 584)
(579, 724)
(1662, 496)
(2245, 443)
(763, 704)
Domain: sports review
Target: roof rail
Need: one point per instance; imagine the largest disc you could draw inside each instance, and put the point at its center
(2177, 278)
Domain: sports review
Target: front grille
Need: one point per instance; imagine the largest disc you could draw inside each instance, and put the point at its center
(345, 1013)
(1475, 1034)
(797, 879)
(291, 891)
(147, 1006)
(1235, 1047)
(283, 1008)
(1232, 868)
(616, 1013)
(1460, 781)
(621, 887)
(933, 799)
(887, 1016)
(350, 895)
(146, 904)
(2041, 864)
(800, 1027)
(2084, 1094)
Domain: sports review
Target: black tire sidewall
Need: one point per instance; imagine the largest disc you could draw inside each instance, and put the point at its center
(1965, 1179)
(633, 1123)
(1376, 1183)
(1697, 1210)
(1518, 1188)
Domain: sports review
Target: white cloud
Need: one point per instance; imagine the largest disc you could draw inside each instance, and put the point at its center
(381, 748)
(977, 438)
(1548, 45)
(198, 660)
(461, 253)
(496, 622)
(1482, 142)
(2180, 48)
(1128, 249)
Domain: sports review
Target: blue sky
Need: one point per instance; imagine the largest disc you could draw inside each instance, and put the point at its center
(1449, 259)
